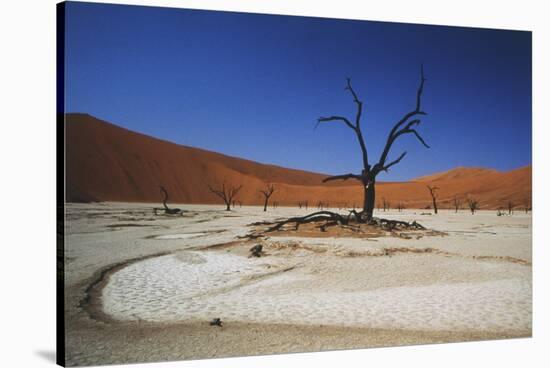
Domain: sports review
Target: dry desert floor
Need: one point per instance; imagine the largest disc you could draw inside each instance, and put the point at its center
(142, 288)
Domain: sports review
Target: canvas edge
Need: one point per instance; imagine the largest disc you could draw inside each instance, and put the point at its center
(60, 184)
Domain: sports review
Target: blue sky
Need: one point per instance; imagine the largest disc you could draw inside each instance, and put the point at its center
(252, 86)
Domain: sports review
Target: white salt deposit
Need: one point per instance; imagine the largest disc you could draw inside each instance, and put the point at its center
(203, 285)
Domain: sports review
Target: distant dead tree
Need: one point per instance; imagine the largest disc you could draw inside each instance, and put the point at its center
(226, 193)
(473, 204)
(322, 205)
(267, 193)
(400, 206)
(275, 204)
(527, 205)
(385, 204)
(510, 206)
(456, 203)
(367, 177)
(167, 210)
(433, 194)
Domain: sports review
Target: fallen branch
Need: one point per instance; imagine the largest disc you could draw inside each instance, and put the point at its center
(167, 210)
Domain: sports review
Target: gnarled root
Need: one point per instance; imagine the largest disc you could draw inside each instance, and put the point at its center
(395, 224)
(312, 217)
(333, 219)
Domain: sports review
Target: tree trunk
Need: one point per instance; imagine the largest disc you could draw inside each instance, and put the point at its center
(228, 204)
(435, 205)
(265, 205)
(369, 198)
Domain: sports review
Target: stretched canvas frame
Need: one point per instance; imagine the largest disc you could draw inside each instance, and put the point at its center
(88, 308)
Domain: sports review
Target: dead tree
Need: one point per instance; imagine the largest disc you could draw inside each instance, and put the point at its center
(433, 194)
(367, 177)
(385, 204)
(226, 193)
(456, 203)
(510, 206)
(400, 207)
(527, 205)
(167, 210)
(267, 193)
(473, 204)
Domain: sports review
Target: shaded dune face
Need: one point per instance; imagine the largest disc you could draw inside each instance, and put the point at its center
(105, 162)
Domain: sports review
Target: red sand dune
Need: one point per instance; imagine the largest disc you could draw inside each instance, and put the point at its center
(105, 162)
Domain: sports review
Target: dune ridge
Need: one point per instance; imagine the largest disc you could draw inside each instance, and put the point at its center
(105, 162)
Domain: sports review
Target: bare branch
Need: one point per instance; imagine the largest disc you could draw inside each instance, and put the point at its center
(219, 193)
(356, 100)
(335, 118)
(268, 191)
(385, 168)
(432, 189)
(412, 123)
(419, 137)
(404, 120)
(420, 88)
(343, 177)
(356, 128)
(397, 130)
(232, 192)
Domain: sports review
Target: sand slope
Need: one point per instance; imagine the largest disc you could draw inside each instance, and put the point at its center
(105, 162)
